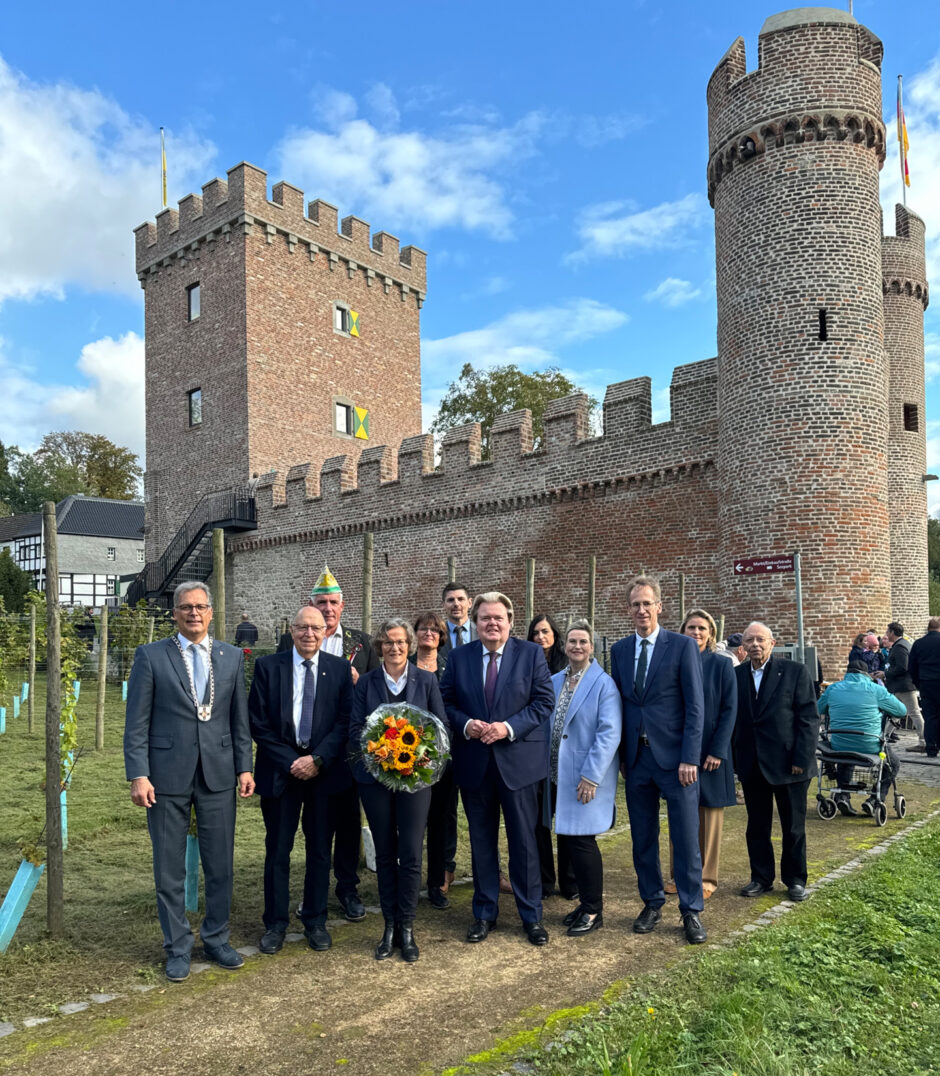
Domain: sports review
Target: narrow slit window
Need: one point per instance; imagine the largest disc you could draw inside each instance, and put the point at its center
(823, 326)
(192, 302)
(194, 399)
(911, 423)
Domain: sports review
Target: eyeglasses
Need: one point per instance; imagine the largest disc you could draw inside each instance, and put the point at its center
(395, 646)
(194, 608)
(306, 629)
(425, 630)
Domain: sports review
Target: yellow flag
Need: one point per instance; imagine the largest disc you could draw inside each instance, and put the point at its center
(902, 138)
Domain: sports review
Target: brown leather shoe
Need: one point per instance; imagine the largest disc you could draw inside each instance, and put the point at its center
(670, 887)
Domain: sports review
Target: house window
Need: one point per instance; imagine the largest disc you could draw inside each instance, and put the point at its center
(192, 302)
(194, 399)
(345, 321)
(343, 419)
(911, 423)
(140, 556)
(112, 552)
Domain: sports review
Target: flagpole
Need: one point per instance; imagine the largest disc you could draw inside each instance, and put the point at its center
(163, 165)
(901, 143)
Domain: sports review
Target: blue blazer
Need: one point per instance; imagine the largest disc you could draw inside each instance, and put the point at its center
(588, 748)
(716, 788)
(671, 708)
(163, 738)
(524, 698)
(271, 712)
(371, 692)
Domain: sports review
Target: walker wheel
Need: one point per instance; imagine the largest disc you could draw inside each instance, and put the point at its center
(880, 814)
(826, 809)
(900, 806)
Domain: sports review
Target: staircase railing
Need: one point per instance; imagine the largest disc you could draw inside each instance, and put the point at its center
(232, 508)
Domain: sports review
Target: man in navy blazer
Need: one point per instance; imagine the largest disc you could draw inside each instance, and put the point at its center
(659, 674)
(499, 698)
(299, 707)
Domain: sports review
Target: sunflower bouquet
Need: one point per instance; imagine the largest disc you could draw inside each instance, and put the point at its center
(404, 747)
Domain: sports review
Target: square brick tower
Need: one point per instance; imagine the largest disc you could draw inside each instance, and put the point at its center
(272, 339)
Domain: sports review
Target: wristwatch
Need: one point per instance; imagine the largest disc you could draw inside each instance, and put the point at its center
(317, 761)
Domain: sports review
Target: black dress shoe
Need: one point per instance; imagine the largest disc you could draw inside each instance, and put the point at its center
(479, 929)
(353, 908)
(437, 898)
(572, 917)
(536, 933)
(388, 942)
(318, 938)
(573, 895)
(584, 924)
(647, 920)
(694, 931)
(409, 947)
(272, 941)
(755, 889)
(797, 892)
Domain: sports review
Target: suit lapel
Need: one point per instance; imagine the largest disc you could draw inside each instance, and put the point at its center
(769, 683)
(656, 660)
(510, 653)
(411, 687)
(176, 660)
(581, 692)
(286, 692)
(630, 661)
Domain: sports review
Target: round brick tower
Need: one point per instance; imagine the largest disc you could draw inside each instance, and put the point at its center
(905, 299)
(795, 148)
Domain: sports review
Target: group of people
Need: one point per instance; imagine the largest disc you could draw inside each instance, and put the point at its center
(539, 732)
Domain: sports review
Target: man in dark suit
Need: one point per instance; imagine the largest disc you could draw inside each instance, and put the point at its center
(774, 749)
(355, 647)
(187, 745)
(299, 705)
(499, 698)
(659, 674)
(924, 667)
(460, 628)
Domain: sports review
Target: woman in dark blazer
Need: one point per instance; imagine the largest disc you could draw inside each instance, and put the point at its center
(397, 819)
(716, 773)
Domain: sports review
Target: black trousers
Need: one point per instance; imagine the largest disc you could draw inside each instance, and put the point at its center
(346, 834)
(930, 708)
(587, 868)
(567, 882)
(759, 798)
(397, 821)
(442, 828)
(281, 814)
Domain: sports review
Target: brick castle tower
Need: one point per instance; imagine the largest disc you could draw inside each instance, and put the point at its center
(271, 338)
(821, 445)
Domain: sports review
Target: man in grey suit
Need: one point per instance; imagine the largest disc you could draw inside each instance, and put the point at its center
(187, 744)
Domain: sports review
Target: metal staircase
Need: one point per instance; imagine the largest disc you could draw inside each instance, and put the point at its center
(188, 556)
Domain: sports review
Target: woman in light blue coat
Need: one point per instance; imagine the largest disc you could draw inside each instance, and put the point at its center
(583, 751)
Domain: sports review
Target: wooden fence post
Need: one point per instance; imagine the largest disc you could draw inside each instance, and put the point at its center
(55, 887)
(368, 552)
(30, 701)
(529, 589)
(102, 677)
(218, 578)
(592, 576)
(681, 596)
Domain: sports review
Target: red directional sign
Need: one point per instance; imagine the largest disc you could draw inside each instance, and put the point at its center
(763, 565)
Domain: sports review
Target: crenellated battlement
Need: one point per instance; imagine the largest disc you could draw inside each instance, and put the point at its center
(240, 206)
(904, 258)
(818, 79)
(383, 485)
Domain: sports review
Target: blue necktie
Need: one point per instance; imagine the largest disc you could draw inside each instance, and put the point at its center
(199, 671)
(306, 706)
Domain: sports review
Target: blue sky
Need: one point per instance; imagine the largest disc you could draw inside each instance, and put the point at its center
(550, 158)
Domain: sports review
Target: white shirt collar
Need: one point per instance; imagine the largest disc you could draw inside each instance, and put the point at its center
(186, 644)
(299, 659)
(396, 686)
(760, 669)
(651, 638)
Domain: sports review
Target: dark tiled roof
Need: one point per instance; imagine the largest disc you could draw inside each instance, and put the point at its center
(20, 526)
(100, 517)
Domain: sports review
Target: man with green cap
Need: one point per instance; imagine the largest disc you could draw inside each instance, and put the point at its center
(346, 823)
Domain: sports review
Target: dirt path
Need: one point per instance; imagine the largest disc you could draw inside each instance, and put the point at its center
(303, 1012)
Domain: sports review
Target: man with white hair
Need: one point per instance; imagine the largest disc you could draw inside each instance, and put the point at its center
(774, 748)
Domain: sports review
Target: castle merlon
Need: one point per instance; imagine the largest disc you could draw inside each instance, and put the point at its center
(903, 257)
(241, 204)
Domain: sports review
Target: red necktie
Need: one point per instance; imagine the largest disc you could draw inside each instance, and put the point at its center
(489, 687)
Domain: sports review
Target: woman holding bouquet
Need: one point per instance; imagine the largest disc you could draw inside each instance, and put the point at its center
(397, 818)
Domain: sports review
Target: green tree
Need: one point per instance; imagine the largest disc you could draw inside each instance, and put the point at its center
(106, 469)
(15, 584)
(481, 395)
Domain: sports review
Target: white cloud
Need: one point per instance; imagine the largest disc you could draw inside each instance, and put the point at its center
(673, 292)
(78, 174)
(381, 100)
(531, 339)
(613, 229)
(593, 131)
(494, 285)
(410, 179)
(931, 355)
(109, 401)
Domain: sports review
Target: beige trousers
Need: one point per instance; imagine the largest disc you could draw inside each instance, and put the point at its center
(711, 821)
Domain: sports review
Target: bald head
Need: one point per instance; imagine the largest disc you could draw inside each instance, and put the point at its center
(758, 642)
(307, 630)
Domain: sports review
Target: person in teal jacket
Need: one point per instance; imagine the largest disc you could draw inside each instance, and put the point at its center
(857, 703)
